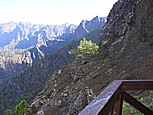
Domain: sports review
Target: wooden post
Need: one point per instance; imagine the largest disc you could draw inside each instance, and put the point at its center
(118, 106)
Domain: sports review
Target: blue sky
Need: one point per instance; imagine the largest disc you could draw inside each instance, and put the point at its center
(53, 11)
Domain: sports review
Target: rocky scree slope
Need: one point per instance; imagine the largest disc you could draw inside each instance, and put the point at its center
(125, 53)
(70, 89)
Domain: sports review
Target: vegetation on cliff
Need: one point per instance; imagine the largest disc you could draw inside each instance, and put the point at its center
(85, 49)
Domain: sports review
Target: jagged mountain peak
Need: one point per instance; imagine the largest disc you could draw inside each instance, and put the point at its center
(87, 26)
(7, 27)
(71, 28)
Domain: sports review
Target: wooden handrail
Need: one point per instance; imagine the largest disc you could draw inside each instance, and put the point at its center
(109, 102)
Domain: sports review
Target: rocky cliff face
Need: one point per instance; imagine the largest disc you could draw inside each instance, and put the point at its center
(13, 62)
(128, 31)
(125, 53)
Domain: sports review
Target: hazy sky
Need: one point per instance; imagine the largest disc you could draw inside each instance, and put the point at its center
(53, 11)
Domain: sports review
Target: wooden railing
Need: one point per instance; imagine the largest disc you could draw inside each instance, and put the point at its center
(110, 101)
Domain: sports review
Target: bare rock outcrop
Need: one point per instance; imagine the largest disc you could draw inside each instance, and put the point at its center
(129, 30)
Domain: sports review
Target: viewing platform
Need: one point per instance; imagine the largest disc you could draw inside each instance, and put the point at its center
(110, 100)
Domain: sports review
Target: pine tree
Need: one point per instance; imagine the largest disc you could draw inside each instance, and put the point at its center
(85, 48)
(23, 108)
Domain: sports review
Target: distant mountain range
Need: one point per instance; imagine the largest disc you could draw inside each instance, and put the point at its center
(25, 35)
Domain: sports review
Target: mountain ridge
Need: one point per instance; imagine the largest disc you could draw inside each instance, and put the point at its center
(27, 33)
(24, 35)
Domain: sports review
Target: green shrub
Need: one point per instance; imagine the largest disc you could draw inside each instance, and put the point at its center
(23, 108)
(85, 48)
